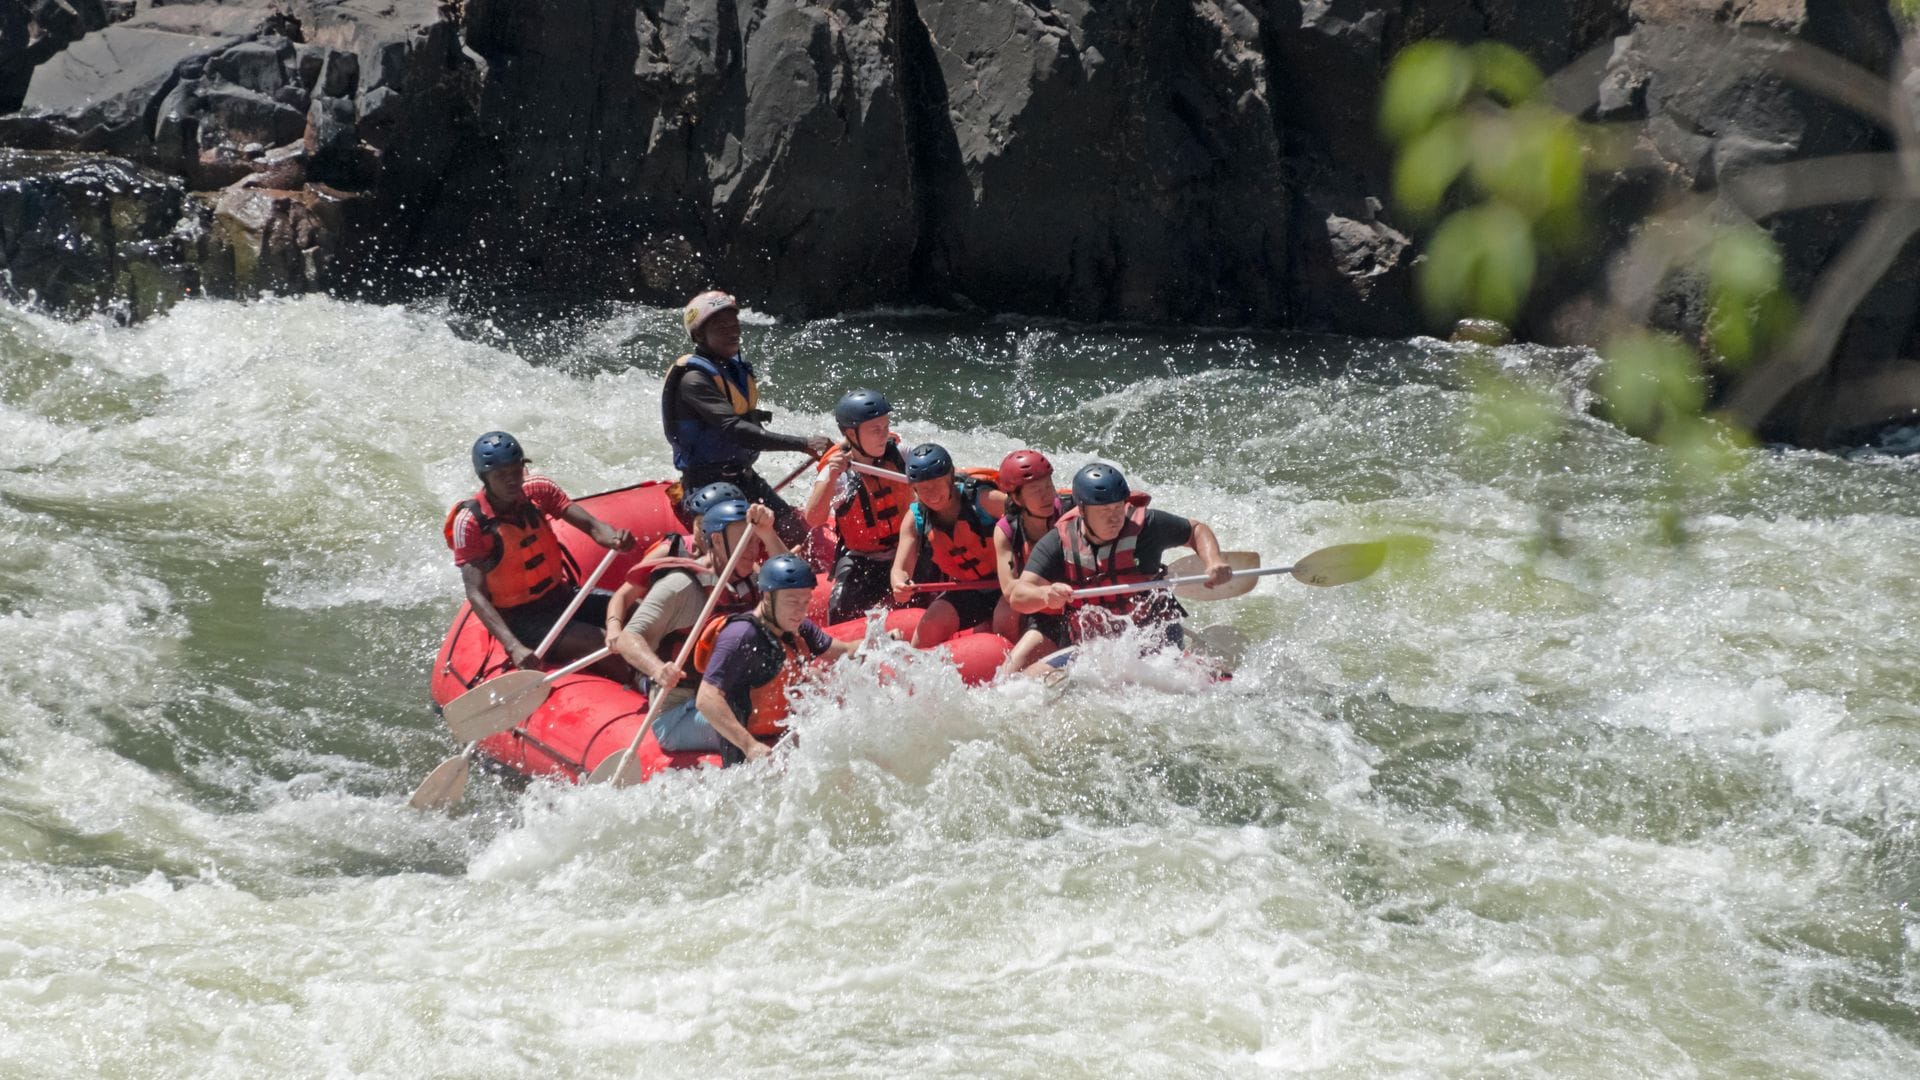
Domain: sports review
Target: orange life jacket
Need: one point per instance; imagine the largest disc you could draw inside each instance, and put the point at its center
(776, 659)
(867, 510)
(963, 552)
(1112, 563)
(527, 560)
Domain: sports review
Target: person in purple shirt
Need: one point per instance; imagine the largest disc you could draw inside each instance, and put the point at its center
(740, 708)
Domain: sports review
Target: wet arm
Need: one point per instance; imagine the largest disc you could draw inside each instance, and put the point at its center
(820, 499)
(1028, 594)
(481, 600)
(1003, 561)
(907, 555)
(713, 706)
(603, 534)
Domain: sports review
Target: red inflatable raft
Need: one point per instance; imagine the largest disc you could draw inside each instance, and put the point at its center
(586, 717)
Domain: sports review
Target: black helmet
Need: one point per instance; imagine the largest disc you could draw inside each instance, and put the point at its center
(859, 407)
(928, 461)
(1099, 484)
(496, 450)
(786, 572)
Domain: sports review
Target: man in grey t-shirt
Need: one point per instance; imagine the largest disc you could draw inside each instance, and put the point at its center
(660, 624)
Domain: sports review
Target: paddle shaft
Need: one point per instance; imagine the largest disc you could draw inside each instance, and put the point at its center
(956, 586)
(1172, 582)
(875, 470)
(579, 597)
(794, 475)
(686, 647)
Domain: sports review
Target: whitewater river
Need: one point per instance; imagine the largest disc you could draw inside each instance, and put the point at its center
(1605, 808)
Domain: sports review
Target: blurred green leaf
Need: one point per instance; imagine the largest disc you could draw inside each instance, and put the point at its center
(1748, 311)
(1429, 165)
(1730, 331)
(1427, 81)
(1506, 408)
(1562, 230)
(1701, 449)
(1531, 158)
(1480, 262)
(1649, 378)
(1745, 262)
(1504, 71)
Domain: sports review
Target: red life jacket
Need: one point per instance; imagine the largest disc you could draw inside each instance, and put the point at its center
(963, 552)
(526, 560)
(1111, 563)
(867, 509)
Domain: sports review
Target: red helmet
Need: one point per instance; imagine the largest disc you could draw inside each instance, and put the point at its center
(1022, 466)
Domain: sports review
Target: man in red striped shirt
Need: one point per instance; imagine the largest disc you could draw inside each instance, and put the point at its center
(517, 576)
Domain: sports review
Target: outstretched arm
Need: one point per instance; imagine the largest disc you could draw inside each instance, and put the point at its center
(603, 534)
(1032, 594)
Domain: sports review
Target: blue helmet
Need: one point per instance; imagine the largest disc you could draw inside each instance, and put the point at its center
(859, 407)
(496, 450)
(928, 461)
(786, 572)
(1099, 484)
(698, 502)
(722, 514)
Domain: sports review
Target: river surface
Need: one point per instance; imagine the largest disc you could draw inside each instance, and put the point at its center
(1584, 804)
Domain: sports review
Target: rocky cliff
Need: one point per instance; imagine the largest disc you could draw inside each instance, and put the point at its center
(1208, 161)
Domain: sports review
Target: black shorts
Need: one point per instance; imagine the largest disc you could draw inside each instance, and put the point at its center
(859, 583)
(530, 622)
(1053, 627)
(974, 608)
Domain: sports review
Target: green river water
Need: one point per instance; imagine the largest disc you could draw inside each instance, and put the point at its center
(1611, 809)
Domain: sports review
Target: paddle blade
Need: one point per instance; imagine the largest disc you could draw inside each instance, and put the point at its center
(1189, 565)
(495, 706)
(1341, 563)
(620, 770)
(443, 786)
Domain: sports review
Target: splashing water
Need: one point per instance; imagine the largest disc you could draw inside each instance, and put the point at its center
(1628, 810)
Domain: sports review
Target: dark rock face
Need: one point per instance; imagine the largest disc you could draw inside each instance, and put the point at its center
(81, 232)
(1117, 161)
(1163, 160)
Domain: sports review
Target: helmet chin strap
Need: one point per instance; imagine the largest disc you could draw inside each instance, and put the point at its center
(854, 444)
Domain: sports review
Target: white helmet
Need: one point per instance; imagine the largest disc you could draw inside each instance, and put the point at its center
(704, 307)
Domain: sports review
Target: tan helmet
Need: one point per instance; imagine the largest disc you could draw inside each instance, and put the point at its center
(704, 307)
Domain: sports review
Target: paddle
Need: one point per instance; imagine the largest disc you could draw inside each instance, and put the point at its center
(795, 474)
(500, 704)
(623, 768)
(579, 597)
(448, 780)
(1335, 565)
(957, 586)
(875, 470)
